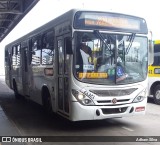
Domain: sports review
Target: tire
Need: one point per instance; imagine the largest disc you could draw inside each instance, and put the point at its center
(156, 95)
(16, 94)
(47, 101)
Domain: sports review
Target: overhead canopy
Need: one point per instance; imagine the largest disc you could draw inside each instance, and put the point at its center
(11, 13)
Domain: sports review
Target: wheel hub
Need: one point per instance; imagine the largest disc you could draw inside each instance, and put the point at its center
(158, 94)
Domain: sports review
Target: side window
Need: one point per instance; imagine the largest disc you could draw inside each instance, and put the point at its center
(14, 54)
(48, 48)
(36, 50)
(18, 54)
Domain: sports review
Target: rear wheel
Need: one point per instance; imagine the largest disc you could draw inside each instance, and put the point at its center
(157, 94)
(47, 101)
(16, 94)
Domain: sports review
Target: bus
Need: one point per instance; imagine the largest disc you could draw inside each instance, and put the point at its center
(154, 74)
(83, 65)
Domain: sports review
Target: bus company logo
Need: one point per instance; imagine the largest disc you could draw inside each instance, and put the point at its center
(114, 100)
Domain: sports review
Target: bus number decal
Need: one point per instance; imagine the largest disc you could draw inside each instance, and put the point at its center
(150, 72)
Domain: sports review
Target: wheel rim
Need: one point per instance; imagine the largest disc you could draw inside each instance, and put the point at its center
(157, 95)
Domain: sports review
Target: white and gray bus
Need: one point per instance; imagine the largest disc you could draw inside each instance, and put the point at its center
(106, 79)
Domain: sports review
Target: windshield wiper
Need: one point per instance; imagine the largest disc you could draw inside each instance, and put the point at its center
(99, 35)
(130, 39)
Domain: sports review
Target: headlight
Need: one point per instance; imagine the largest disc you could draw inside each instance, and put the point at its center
(140, 97)
(82, 98)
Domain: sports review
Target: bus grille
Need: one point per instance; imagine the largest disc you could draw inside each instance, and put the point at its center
(110, 101)
(114, 110)
(115, 93)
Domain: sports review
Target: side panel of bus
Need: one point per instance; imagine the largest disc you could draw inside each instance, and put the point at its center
(41, 66)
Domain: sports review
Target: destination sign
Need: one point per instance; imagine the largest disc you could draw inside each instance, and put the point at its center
(109, 21)
(104, 21)
(93, 75)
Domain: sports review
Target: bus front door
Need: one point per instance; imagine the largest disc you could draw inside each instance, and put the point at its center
(63, 74)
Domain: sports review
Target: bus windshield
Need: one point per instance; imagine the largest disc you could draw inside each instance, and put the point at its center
(105, 58)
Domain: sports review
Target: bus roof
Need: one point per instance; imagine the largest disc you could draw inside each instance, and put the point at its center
(116, 18)
(156, 41)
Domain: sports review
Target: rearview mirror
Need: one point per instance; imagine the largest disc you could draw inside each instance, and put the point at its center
(151, 52)
(150, 49)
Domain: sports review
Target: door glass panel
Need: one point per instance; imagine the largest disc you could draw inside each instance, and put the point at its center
(63, 69)
(68, 48)
(60, 93)
(66, 99)
(60, 57)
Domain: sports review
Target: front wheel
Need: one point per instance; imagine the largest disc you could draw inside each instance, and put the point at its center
(157, 94)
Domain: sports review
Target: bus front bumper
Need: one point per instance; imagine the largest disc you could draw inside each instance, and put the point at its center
(81, 112)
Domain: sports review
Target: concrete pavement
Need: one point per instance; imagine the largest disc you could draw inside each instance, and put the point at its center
(7, 126)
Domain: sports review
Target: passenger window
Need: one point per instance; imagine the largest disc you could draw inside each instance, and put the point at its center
(14, 58)
(36, 50)
(48, 48)
(18, 54)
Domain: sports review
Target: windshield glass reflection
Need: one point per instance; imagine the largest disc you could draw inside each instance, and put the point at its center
(110, 59)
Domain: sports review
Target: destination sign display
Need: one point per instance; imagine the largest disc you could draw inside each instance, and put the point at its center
(110, 21)
(93, 75)
(104, 21)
